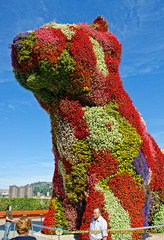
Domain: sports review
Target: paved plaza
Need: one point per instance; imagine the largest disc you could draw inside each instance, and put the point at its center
(39, 236)
(36, 232)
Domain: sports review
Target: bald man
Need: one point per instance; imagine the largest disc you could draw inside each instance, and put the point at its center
(98, 223)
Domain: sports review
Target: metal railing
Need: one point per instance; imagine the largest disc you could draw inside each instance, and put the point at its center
(121, 232)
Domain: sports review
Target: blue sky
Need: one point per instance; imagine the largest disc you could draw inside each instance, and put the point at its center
(25, 140)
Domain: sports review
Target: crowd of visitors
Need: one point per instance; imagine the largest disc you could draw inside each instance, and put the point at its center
(24, 224)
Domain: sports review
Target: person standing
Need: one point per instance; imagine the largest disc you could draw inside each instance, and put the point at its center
(23, 227)
(98, 223)
(9, 219)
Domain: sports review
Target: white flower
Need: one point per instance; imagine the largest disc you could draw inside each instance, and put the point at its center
(65, 139)
(118, 216)
(99, 52)
(100, 137)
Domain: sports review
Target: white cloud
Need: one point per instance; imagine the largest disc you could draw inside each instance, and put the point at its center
(142, 36)
(11, 106)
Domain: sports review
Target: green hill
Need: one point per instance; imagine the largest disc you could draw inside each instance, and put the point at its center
(42, 187)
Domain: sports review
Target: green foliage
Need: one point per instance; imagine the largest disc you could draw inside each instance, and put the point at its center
(118, 138)
(42, 82)
(61, 220)
(50, 79)
(76, 182)
(21, 78)
(19, 204)
(42, 187)
(126, 150)
(159, 219)
(25, 48)
(39, 82)
(82, 151)
(155, 207)
(64, 70)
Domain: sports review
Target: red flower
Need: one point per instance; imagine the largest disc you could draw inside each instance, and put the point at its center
(102, 24)
(49, 220)
(72, 112)
(95, 199)
(104, 164)
(131, 196)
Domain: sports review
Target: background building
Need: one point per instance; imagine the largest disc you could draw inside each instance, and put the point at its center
(29, 191)
(21, 192)
(13, 191)
(4, 193)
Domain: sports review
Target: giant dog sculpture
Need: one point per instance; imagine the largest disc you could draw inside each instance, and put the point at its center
(104, 156)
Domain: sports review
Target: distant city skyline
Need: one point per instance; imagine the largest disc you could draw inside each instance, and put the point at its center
(25, 139)
(35, 190)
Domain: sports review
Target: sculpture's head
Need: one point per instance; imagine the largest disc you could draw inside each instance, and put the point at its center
(72, 60)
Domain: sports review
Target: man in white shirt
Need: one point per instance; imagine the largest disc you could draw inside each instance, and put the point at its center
(98, 223)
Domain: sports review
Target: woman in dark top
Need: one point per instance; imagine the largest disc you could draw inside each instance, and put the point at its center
(23, 227)
(9, 219)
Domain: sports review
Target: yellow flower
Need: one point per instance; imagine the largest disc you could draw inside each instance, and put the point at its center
(86, 88)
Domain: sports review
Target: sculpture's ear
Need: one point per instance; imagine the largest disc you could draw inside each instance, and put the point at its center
(101, 24)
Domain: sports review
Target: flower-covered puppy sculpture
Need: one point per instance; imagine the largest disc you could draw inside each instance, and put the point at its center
(103, 155)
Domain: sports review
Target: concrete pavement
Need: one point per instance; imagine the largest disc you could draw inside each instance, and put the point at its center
(39, 236)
